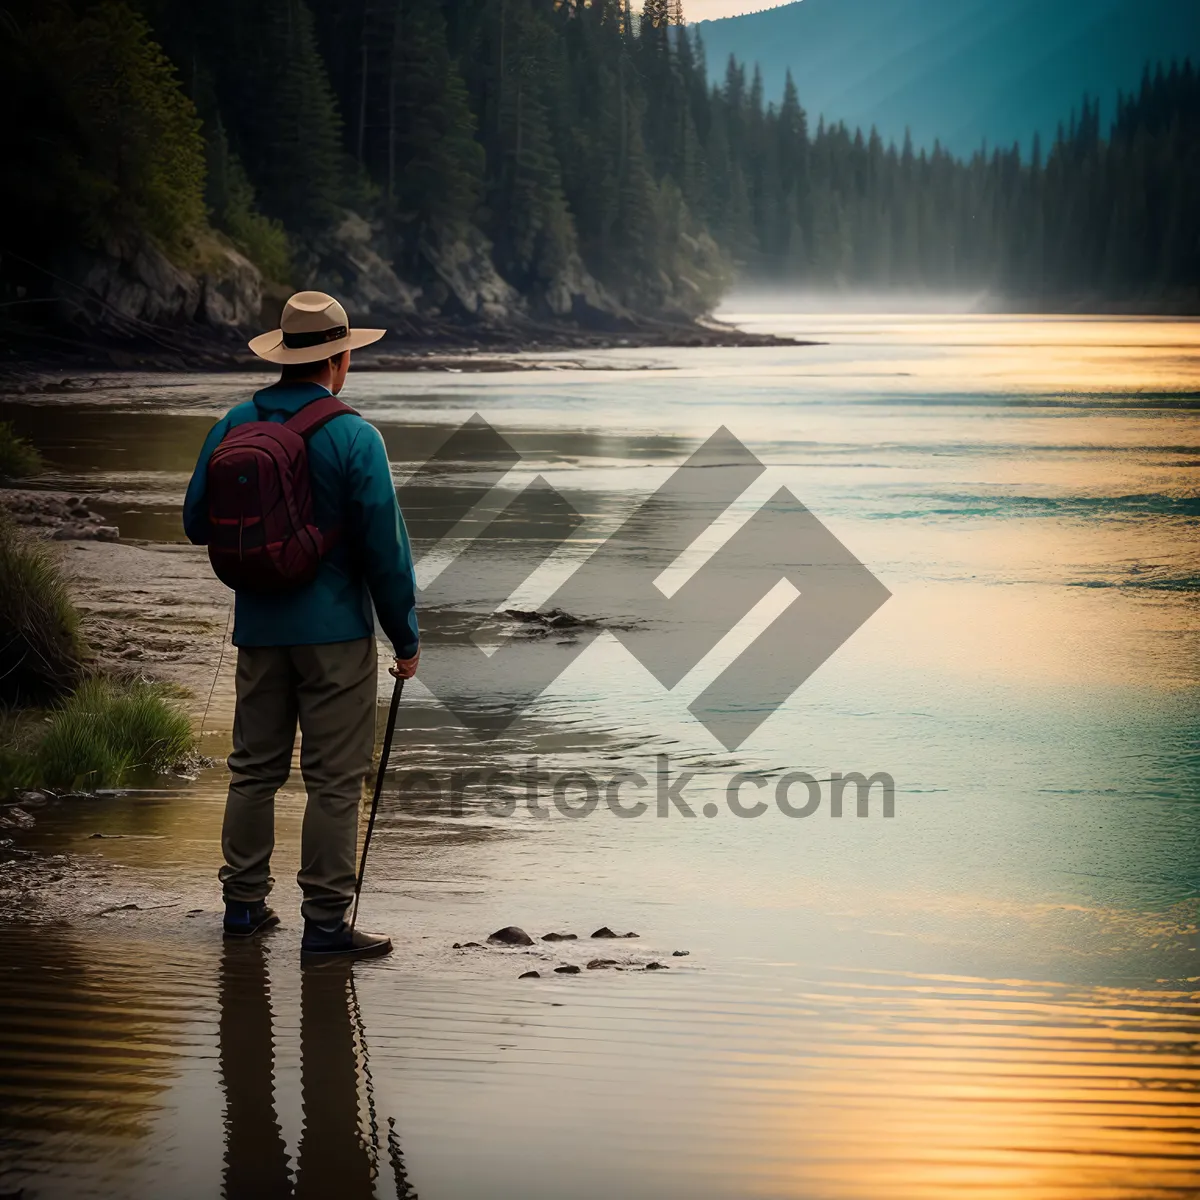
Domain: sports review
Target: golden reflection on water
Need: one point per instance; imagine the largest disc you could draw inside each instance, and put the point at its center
(1014, 1089)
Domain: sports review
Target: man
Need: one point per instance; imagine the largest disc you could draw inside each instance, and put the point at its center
(307, 652)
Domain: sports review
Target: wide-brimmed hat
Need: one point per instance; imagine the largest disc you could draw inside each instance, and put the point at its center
(313, 327)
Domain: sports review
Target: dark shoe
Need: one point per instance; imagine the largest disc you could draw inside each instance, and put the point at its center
(320, 943)
(245, 920)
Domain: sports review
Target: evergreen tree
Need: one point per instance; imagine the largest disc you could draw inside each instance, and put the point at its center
(581, 137)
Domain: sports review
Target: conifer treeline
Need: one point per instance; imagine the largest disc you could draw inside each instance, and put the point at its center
(574, 134)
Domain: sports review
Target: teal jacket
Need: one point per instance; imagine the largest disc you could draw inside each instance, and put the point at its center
(352, 488)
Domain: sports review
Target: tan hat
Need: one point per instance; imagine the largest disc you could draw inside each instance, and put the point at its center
(313, 327)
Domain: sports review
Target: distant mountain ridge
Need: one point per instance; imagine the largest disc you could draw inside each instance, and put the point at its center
(962, 71)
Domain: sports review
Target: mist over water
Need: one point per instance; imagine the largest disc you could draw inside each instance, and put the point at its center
(993, 992)
(787, 301)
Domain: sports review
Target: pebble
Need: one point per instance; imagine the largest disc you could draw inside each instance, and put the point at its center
(511, 935)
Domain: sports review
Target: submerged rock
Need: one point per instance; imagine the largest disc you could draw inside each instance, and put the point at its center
(657, 966)
(530, 975)
(568, 969)
(466, 946)
(604, 932)
(598, 964)
(510, 935)
(680, 953)
(560, 937)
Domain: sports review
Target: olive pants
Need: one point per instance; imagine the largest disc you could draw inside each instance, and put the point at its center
(331, 691)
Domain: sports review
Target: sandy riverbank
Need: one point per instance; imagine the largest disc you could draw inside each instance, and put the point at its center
(157, 609)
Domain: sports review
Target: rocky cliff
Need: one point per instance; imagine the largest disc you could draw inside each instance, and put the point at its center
(129, 287)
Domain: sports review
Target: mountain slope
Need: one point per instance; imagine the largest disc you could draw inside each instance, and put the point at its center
(963, 71)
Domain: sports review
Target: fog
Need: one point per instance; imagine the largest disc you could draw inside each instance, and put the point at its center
(768, 299)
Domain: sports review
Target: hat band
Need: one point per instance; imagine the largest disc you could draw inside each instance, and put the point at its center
(301, 341)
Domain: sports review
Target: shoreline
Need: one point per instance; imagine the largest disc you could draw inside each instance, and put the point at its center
(454, 349)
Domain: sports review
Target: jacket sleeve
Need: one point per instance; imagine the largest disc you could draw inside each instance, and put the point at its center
(386, 555)
(195, 504)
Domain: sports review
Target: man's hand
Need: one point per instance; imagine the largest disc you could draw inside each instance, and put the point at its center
(405, 668)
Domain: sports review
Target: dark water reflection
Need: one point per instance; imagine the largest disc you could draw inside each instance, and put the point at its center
(334, 1157)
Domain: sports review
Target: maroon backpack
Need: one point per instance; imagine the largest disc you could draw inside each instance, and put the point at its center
(261, 533)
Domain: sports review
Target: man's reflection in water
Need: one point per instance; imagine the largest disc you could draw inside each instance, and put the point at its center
(256, 1160)
(334, 1156)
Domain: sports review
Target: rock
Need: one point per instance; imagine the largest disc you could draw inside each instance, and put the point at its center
(463, 264)
(346, 263)
(231, 290)
(193, 912)
(467, 946)
(680, 953)
(631, 934)
(510, 935)
(124, 286)
(604, 932)
(573, 292)
(530, 975)
(16, 818)
(72, 532)
(568, 969)
(657, 966)
(598, 964)
(559, 937)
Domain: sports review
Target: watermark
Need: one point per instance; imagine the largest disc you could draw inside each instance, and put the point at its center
(617, 587)
(658, 792)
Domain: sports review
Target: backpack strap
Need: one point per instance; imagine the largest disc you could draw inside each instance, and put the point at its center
(316, 414)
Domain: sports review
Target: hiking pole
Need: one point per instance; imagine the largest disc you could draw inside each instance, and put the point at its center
(397, 692)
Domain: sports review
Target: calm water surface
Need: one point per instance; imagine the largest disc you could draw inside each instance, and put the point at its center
(993, 993)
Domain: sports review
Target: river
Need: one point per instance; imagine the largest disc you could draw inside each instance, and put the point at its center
(991, 992)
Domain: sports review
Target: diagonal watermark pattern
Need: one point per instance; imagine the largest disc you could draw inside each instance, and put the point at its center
(615, 588)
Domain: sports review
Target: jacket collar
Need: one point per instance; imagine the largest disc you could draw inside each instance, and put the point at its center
(288, 398)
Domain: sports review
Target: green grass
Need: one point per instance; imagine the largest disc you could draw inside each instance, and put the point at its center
(103, 735)
(20, 732)
(18, 458)
(40, 646)
(59, 731)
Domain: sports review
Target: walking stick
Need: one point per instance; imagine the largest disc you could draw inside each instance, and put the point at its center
(397, 692)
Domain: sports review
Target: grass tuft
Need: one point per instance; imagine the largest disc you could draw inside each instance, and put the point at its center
(40, 647)
(18, 458)
(108, 731)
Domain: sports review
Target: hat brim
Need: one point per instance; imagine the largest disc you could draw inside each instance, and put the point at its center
(269, 346)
